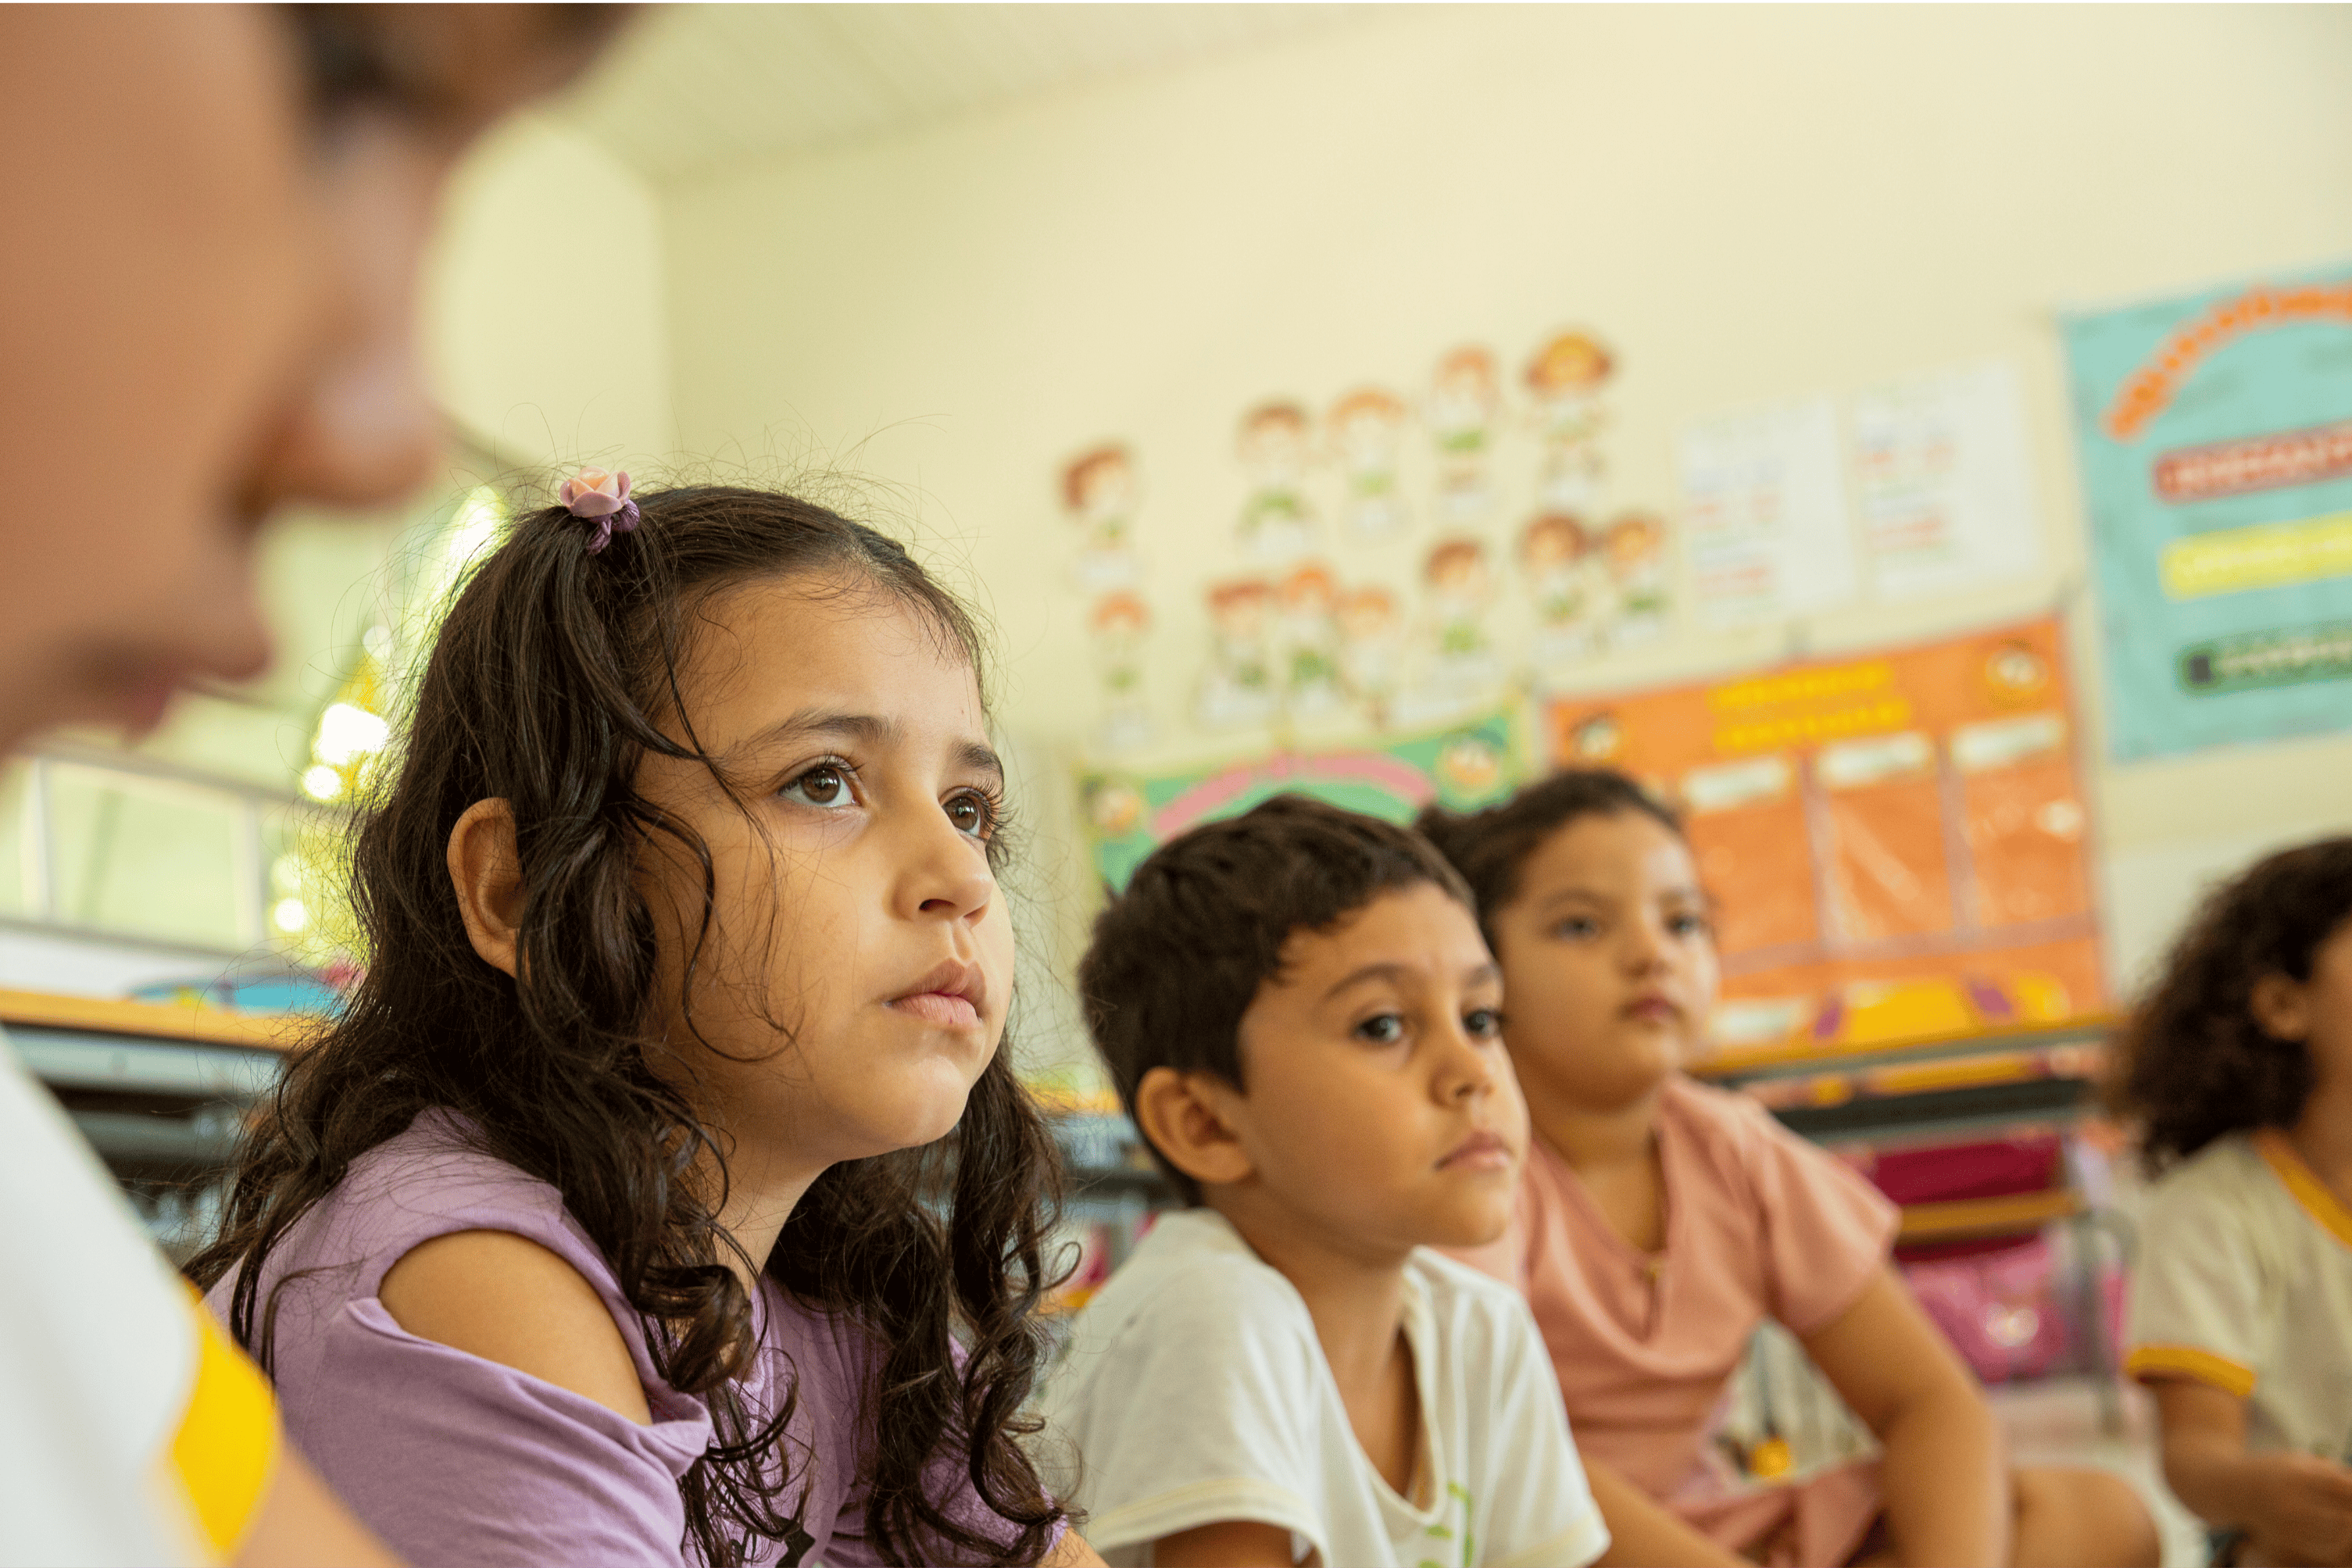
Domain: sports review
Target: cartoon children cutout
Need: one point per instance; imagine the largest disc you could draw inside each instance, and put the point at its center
(1099, 493)
(1371, 637)
(1277, 523)
(1116, 807)
(1459, 587)
(1635, 549)
(1310, 636)
(1596, 740)
(1118, 625)
(1457, 669)
(1365, 428)
(1237, 688)
(1557, 563)
(1464, 398)
(1565, 379)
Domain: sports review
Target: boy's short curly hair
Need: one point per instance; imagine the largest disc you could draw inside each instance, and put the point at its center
(1177, 958)
(2192, 1063)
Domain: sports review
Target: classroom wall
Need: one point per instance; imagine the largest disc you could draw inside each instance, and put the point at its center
(546, 327)
(1750, 204)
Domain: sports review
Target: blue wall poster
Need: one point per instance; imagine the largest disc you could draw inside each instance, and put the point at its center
(2215, 435)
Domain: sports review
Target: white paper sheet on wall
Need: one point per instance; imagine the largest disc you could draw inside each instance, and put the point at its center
(1764, 511)
(1943, 484)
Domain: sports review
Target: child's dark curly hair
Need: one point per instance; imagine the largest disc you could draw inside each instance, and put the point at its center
(2193, 1063)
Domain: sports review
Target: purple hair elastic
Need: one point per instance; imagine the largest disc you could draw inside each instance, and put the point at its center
(596, 496)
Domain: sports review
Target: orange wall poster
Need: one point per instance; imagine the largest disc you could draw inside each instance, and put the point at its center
(1898, 844)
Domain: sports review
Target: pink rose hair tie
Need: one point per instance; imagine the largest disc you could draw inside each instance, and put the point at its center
(602, 498)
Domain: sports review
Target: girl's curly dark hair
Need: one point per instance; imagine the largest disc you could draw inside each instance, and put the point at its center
(544, 688)
(2192, 1064)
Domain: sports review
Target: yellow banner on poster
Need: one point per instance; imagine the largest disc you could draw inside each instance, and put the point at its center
(2269, 555)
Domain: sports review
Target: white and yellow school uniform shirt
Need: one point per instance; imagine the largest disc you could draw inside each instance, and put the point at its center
(2245, 1282)
(131, 1430)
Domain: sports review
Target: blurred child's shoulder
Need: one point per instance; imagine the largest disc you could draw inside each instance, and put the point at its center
(1726, 1123)
(2232, 1172)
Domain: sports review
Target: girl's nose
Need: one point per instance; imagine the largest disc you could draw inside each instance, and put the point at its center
(948, 876)
(1645, 947)
(360, 427)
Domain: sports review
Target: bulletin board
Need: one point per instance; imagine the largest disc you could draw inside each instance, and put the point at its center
(2216, 440)
(1463, 766)
(1899, 843)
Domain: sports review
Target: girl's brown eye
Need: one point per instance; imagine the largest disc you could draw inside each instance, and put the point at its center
(821, 786)
(972, 814)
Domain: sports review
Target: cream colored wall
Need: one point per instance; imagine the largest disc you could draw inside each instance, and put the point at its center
(546, 331)
(1751, 204)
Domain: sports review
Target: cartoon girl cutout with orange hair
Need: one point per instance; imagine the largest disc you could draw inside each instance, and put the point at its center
(1557, 563)
(1564, 379)
(1635, 550)
(1277, 523)
(1371, 637)
(1365, 429)
(1238, 688)
(1100, 493)
(1465, 396)
(1117, 627)
(1310, 636)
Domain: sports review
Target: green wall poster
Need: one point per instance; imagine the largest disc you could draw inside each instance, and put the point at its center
(2215, 434)
(1463, 765)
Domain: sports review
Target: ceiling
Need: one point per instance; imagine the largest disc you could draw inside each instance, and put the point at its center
(693, 87)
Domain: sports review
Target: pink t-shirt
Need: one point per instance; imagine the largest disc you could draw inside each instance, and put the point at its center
(1757, 1223)
(452, 1458)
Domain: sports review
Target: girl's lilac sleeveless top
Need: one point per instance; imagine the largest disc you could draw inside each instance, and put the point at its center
(455, 1460)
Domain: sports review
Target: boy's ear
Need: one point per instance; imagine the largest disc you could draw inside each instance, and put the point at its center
(1184, 1115)
(2280, 1005)
(487, 871)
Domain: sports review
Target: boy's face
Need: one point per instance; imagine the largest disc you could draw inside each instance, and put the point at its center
(1380, 1111)
(1610, 957)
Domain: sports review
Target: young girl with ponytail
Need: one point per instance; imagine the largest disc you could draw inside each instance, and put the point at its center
(665, 1195)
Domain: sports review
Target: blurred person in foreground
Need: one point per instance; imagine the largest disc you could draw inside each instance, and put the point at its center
(206, 312)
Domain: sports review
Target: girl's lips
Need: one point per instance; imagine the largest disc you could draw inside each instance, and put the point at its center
(1478, 1152)
(1653, 1009)
(944, 1009)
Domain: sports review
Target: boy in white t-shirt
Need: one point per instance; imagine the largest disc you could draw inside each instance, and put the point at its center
(1300, 1015)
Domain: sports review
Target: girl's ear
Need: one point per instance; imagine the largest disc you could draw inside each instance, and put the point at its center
(1181, 1113)
(487, 871)
(2281, 1007)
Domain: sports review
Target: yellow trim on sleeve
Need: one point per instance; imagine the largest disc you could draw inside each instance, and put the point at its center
(225, 1451)
(2148, 1361)
(2304, 1185)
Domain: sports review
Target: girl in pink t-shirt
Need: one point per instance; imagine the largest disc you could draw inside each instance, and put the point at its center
(663, 1195)
(1660, 1221)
